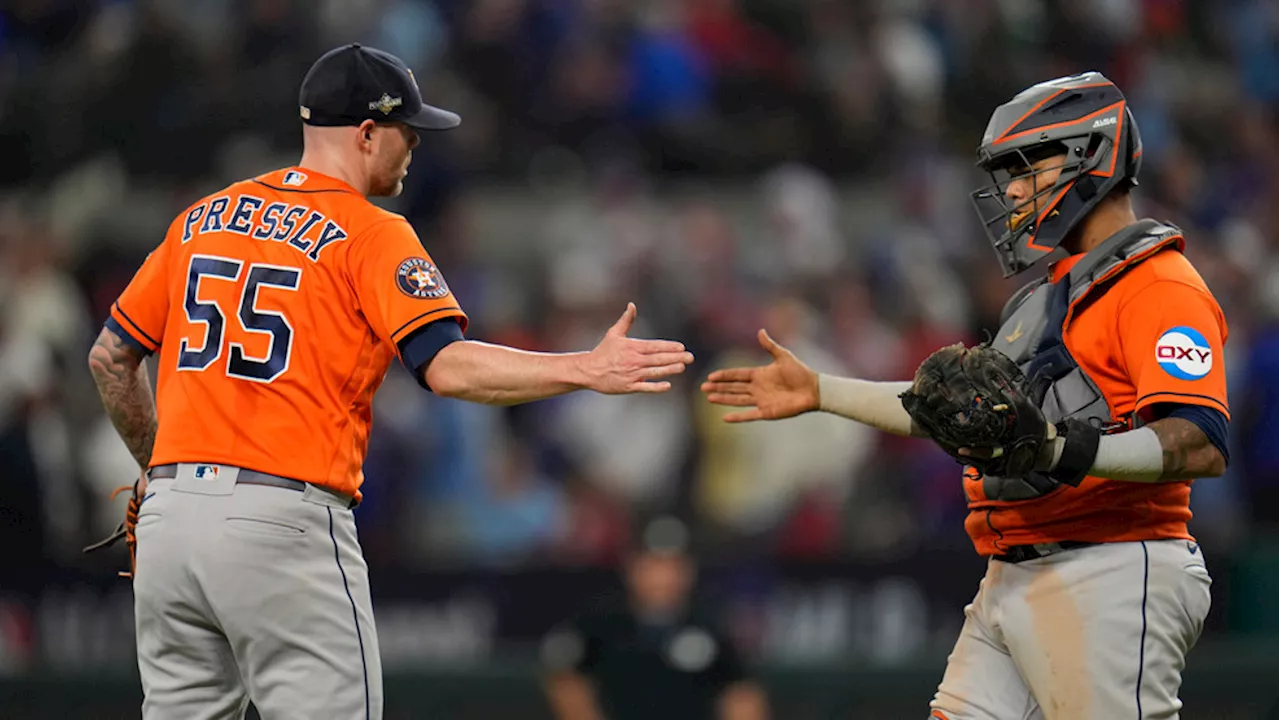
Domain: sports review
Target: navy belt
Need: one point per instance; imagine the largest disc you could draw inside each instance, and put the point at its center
(245, 477)
(1022, 553)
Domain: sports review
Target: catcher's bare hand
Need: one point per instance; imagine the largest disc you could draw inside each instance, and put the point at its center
(621, 365)
(784, 388)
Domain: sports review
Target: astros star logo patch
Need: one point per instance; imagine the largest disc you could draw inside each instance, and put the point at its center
(418, 278)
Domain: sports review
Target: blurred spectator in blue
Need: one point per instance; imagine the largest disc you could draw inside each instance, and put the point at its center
(515, 513)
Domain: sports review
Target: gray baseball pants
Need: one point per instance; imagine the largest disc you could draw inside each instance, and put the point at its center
(1095, 633)
(250, 592)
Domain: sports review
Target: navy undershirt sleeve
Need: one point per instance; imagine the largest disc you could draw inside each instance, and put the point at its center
(1210, 420)
(419, 347)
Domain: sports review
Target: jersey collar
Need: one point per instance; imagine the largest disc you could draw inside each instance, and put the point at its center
(304, 180)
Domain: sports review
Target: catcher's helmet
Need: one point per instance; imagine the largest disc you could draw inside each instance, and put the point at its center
(1082, 116)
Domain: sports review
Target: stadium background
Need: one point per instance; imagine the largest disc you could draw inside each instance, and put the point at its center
(802, 165)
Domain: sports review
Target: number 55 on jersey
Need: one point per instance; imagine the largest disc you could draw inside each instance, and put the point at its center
(267, 292)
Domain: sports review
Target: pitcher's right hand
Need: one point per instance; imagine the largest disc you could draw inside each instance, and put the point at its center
(620, 365)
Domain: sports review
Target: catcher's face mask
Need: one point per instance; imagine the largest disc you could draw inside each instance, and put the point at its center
(1083, 117)
(1026, 189)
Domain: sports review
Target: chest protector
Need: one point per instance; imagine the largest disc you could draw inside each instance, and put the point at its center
(1031, 333)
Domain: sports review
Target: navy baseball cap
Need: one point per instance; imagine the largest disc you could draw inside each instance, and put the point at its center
(353, 83)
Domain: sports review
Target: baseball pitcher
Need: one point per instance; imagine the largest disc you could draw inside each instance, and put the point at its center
(276, 306)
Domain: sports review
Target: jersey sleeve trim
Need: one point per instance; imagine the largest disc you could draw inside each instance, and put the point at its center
(432, 315)
(137, 333)
(126, 337)
(1166, 396)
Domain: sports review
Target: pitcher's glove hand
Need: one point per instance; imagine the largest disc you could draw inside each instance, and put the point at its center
(127, 529)
(973, 403)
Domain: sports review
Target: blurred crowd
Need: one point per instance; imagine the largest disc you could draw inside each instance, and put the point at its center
(798, 165)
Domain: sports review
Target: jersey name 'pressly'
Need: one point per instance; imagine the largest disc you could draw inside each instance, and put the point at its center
(277, 222)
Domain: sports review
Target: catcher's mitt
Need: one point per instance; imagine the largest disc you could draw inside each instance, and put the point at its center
(975, 398)
(126, 530)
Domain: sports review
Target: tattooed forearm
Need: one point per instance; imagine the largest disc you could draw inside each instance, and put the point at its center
(125, 389)
(1188, 454)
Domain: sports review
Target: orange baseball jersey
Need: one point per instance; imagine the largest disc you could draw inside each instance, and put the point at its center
(1154, 336)
(276, 306)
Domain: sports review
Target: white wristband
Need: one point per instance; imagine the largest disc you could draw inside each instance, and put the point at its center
(872, 403)
(1134, 456)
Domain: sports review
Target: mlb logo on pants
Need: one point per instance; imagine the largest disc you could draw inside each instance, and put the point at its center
(206, 472)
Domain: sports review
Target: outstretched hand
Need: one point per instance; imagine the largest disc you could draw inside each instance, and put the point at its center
(784, 388)
(620, 364)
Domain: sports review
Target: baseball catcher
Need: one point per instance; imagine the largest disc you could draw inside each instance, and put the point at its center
(1083, 422)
